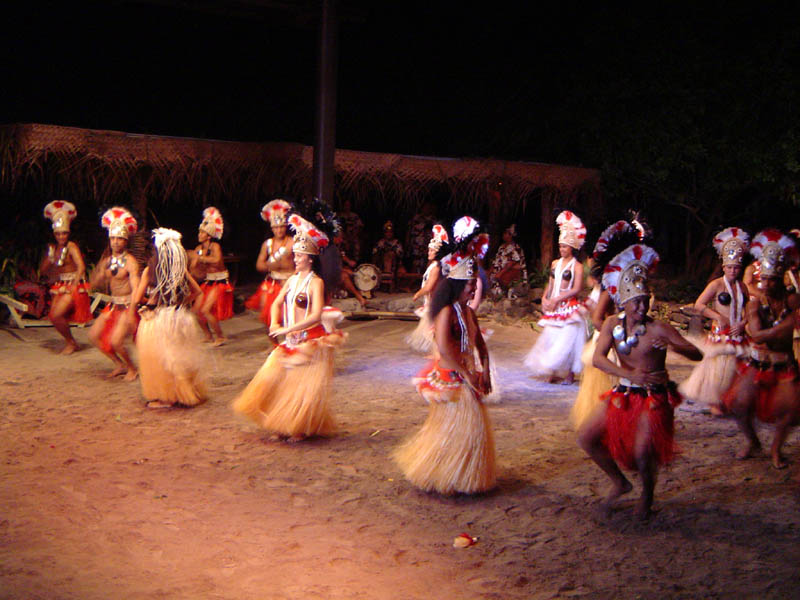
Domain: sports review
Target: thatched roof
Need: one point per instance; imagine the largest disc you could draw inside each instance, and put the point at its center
(102, 165)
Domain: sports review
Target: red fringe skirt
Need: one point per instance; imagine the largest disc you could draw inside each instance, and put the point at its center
(766, 378)
(223, 309)
(79, 313)
(116, 310)
(263, 298)
(625, 408)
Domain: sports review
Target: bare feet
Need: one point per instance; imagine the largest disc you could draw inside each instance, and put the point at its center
(716, 410)
(70, 348)
(749, 451)
(778, 462)
(619, 489)
(157, 404)
(295, 438)
(131, 375)
(219, 342)
(116, 372)
(643, 510)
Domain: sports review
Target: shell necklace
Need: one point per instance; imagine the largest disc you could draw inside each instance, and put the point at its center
(626, 343)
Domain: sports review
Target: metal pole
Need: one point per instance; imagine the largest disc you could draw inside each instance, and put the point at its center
(325, 130)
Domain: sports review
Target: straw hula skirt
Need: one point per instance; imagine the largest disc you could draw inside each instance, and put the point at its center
(716, 371)
(454, 450)
(290, 393)
(171, 359)
(594, 383)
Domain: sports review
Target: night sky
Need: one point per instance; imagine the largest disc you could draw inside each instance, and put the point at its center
(414, 77)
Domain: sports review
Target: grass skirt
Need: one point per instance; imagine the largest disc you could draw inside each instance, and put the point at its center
(454, 451)
(421, 339)
(290, 393)
(558, 349)
(594, 384)
(714, 374)
(171, 358)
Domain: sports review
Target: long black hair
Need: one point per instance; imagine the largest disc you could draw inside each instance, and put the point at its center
(447, 291)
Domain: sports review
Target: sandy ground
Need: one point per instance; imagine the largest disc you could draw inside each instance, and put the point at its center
(102, 498)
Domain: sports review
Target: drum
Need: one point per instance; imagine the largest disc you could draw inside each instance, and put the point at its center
(366, 277)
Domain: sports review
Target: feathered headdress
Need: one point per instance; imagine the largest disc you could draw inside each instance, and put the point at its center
(459, 266)
(463, 229)
(731, 244)
(625, 276)
(308, 239)
(769, 248)
(468, 243)
(439, 238)
(212, 222)
(571, 230)
(614, 239)
(275, 212)
(119, 222)
(479, 246)
(61, 213)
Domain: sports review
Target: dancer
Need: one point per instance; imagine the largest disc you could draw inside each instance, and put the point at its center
(64, 262)
(594, 382)
(275, 259)
(289, 395)
(454, 451)
(636, 428)
(119, 271)
(767, 383)
(216, 303)
(557, 352)
(726, 341)
(171, 360)
(421, 339)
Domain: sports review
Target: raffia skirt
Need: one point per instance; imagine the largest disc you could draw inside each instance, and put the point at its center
(594, 383)
(454, 451)
(558, 349)
(714, 374)
(171, 359)
(421, 339)
(290, 393)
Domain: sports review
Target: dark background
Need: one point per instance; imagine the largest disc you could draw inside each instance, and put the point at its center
(690, 110)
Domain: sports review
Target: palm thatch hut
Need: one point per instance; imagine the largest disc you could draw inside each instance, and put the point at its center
(97, 168)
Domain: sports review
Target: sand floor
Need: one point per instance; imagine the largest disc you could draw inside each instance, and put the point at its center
(102, 498)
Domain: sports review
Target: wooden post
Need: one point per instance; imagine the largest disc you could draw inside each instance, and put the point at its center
(325, 142)
(548, 227)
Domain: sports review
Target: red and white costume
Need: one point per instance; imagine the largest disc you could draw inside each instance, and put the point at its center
(62, 213)
(213, 225)
(290, 393)
(275, 213)
(558, 349)
(720, 349)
